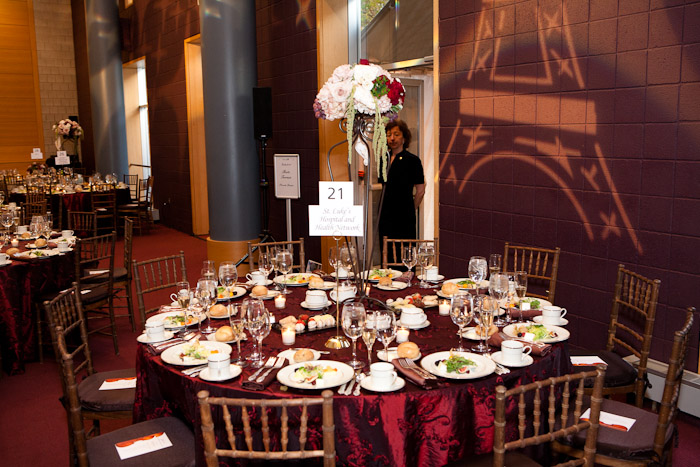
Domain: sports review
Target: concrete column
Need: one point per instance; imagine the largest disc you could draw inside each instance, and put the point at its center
(106, 86)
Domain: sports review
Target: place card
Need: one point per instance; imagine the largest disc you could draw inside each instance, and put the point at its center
(118, 383)
(617, 422)
(588, 360)
(143, 445)
(98, 271)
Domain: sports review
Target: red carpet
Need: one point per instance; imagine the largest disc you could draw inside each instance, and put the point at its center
(33, 428)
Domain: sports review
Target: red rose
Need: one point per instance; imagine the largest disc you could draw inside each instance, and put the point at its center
(396, 93)
(364, 61)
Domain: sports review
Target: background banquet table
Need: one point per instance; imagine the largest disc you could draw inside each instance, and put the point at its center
(409, 427)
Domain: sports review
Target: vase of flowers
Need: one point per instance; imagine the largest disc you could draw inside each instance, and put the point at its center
(67, 130)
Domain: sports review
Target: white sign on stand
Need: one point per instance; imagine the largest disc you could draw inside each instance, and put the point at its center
(287, 183)
(62, 158)
(37, 154)
(336, 215)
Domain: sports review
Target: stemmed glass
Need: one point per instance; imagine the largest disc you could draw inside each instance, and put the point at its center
(461, 314)
(258, 324)
(346, 260)
(228, 275)
(265, 263)
(369, 335)
(385, 325)
(477, 270)
(520, 289)
(182, 293)
(426, 256)
(353, 319)
(208, 270)
(284, 261)
(487, 308)
(6, 220)
(495, 263)
(498, 289)
(408, 257)
(333, 260)
(237, 325)
(206, 294)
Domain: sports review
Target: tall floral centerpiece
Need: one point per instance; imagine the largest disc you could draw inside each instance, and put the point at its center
(67, 130)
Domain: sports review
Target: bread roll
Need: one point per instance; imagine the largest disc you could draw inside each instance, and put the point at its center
(218, 311)
(259, 291)
(40, 242)
(12, 251)
(316, 282)
(492, 330)
(408, 350)
(303, 355)
(25, 235)
(385, 281)
(224, 334)
(449, 288)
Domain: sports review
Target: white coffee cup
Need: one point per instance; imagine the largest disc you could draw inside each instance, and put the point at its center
(256, 277)
(21, 228)
(344, 292)
(4, 258)
(431, 273)
(514, 352)
(342, 272)
(155, 330)
(63, 246)
(66, 233)
(219, 365)
(316, 298)
(412, 316)
(383, 375)
(552, 314)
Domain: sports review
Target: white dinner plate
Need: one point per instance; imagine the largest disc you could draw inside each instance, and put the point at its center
(160, 317)
(36, 254)
(347, 275)
(562, 321)
(482, 285)
(6, 263)
(327, 285)
(484, 366)
(375, 277)
(366, 383)
(33, 246)
(498, 358)
(289, 355)
(395, 285)
(344, 374)
(542, 301)
(316, 307)
(393, 353)
(422, 325)
(171, 355)
(299, 279)
(234, 371)
(238, 291)
(144, 339)
(437, 279)
(562, 334)
(270, 295)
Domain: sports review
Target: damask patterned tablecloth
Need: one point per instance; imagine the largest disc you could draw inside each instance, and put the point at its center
(410, 427)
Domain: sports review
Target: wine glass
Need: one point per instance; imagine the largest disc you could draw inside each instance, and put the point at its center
(333, 258)
(520, 289)
(408, 257)
(369, 335)
(477, 269)
(385, 325)
(284, 260)
(208, 270)
(488, 307)
(182, 292)
(6, 220)
(265, 263)
(347, 257)
(258, 323)
(498, 289)
(237, 325)
(461, 314)
(426, 256)
(206, 294)
(228, 275)
(495, 263)
(353, 319)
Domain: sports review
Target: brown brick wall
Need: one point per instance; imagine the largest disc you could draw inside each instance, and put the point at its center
(576, 123)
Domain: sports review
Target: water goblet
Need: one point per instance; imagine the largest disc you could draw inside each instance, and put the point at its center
(237, 326)
(347, 258)
(228, 275)
(477, 269)
(495, 263)
(258, 323)
(206, 294)
(409, 259)
(369, 335)
(426, 257)
(385, 325)
(353, 319)
(265, 263)
(461, 312)
(284, 262)
(498, 289)
(520, 278)
(488, 307)
(182, 292)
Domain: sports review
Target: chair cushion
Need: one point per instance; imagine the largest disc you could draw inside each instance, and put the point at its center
(95, 294)
(102, 451)
(512, 459)
(91, 398)
(619, 372)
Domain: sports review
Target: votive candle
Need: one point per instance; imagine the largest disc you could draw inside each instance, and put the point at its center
(444, 307)
(288, 335)
(402, 334)
(280, 301)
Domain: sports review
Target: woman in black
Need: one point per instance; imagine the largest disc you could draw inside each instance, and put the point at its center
(398, 216)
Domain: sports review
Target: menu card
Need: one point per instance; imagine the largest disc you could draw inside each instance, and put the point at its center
(98, 271)
(588, 360)
(143, 445)
(118, 383)
(617, 422)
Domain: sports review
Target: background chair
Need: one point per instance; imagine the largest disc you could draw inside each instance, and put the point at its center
(393, 248)
(83, 223)
(541, 265)
(157, 274)
(212, 453)
(105, 206)
(296, 247)
(132, 181)
(34, 209)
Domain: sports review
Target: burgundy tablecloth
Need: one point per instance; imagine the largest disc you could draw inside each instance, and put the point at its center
(411, 427)
(20, 282)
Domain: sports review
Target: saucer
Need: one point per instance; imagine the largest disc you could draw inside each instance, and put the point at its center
(327, 285)
(270, 295)
(437, 279)
(395, 285)
(562, 321)
(234, 371)
(253, 284)
(422, 325)
(144, 339)
(317, 307)
(366, 383)
(527, 360)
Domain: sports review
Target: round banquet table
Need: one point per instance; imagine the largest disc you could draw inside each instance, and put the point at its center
(409, 427)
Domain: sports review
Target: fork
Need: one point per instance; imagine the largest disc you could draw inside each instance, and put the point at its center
(278, 364)
(270, 362)
(193, 371)
(411, 365)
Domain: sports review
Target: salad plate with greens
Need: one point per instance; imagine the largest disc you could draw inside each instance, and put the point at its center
(375, 274)
(319, 374)
(535, 303)
(193, 352)
(465, 283)
(533, 332)
(458, 365)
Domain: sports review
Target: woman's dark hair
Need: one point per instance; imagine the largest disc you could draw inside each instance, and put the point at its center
(404, 130)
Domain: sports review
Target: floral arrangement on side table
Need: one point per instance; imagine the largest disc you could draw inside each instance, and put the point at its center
(36, 167)
(66, 130)
(362, 90)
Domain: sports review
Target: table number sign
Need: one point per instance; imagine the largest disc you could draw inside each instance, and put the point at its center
(37, 154)
(336, 214)
(62, 158)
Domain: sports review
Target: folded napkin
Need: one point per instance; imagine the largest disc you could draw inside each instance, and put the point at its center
(118, 383)
(610, 420)
(538, 348)
(590, 360)
(405, 277)
(142, 445)
(527, 314)
(414, 377)
(160, 347)
(255, 386)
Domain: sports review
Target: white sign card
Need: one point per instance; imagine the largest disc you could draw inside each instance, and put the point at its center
(336, 214)
(336, 193)
(287, 183)
(62, 158)
(36, 154)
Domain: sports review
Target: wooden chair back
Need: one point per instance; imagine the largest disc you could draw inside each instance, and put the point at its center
(128, 247)
(634, 301)
(560, 422)
(34, 209)
(105, 206)
(395, 246)
(157, 274)
(132, 181)
(95, 253)
(296, 247)
(212, 453)
(541, 265)
(35, 197)
(36, 189)
(83, 223)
